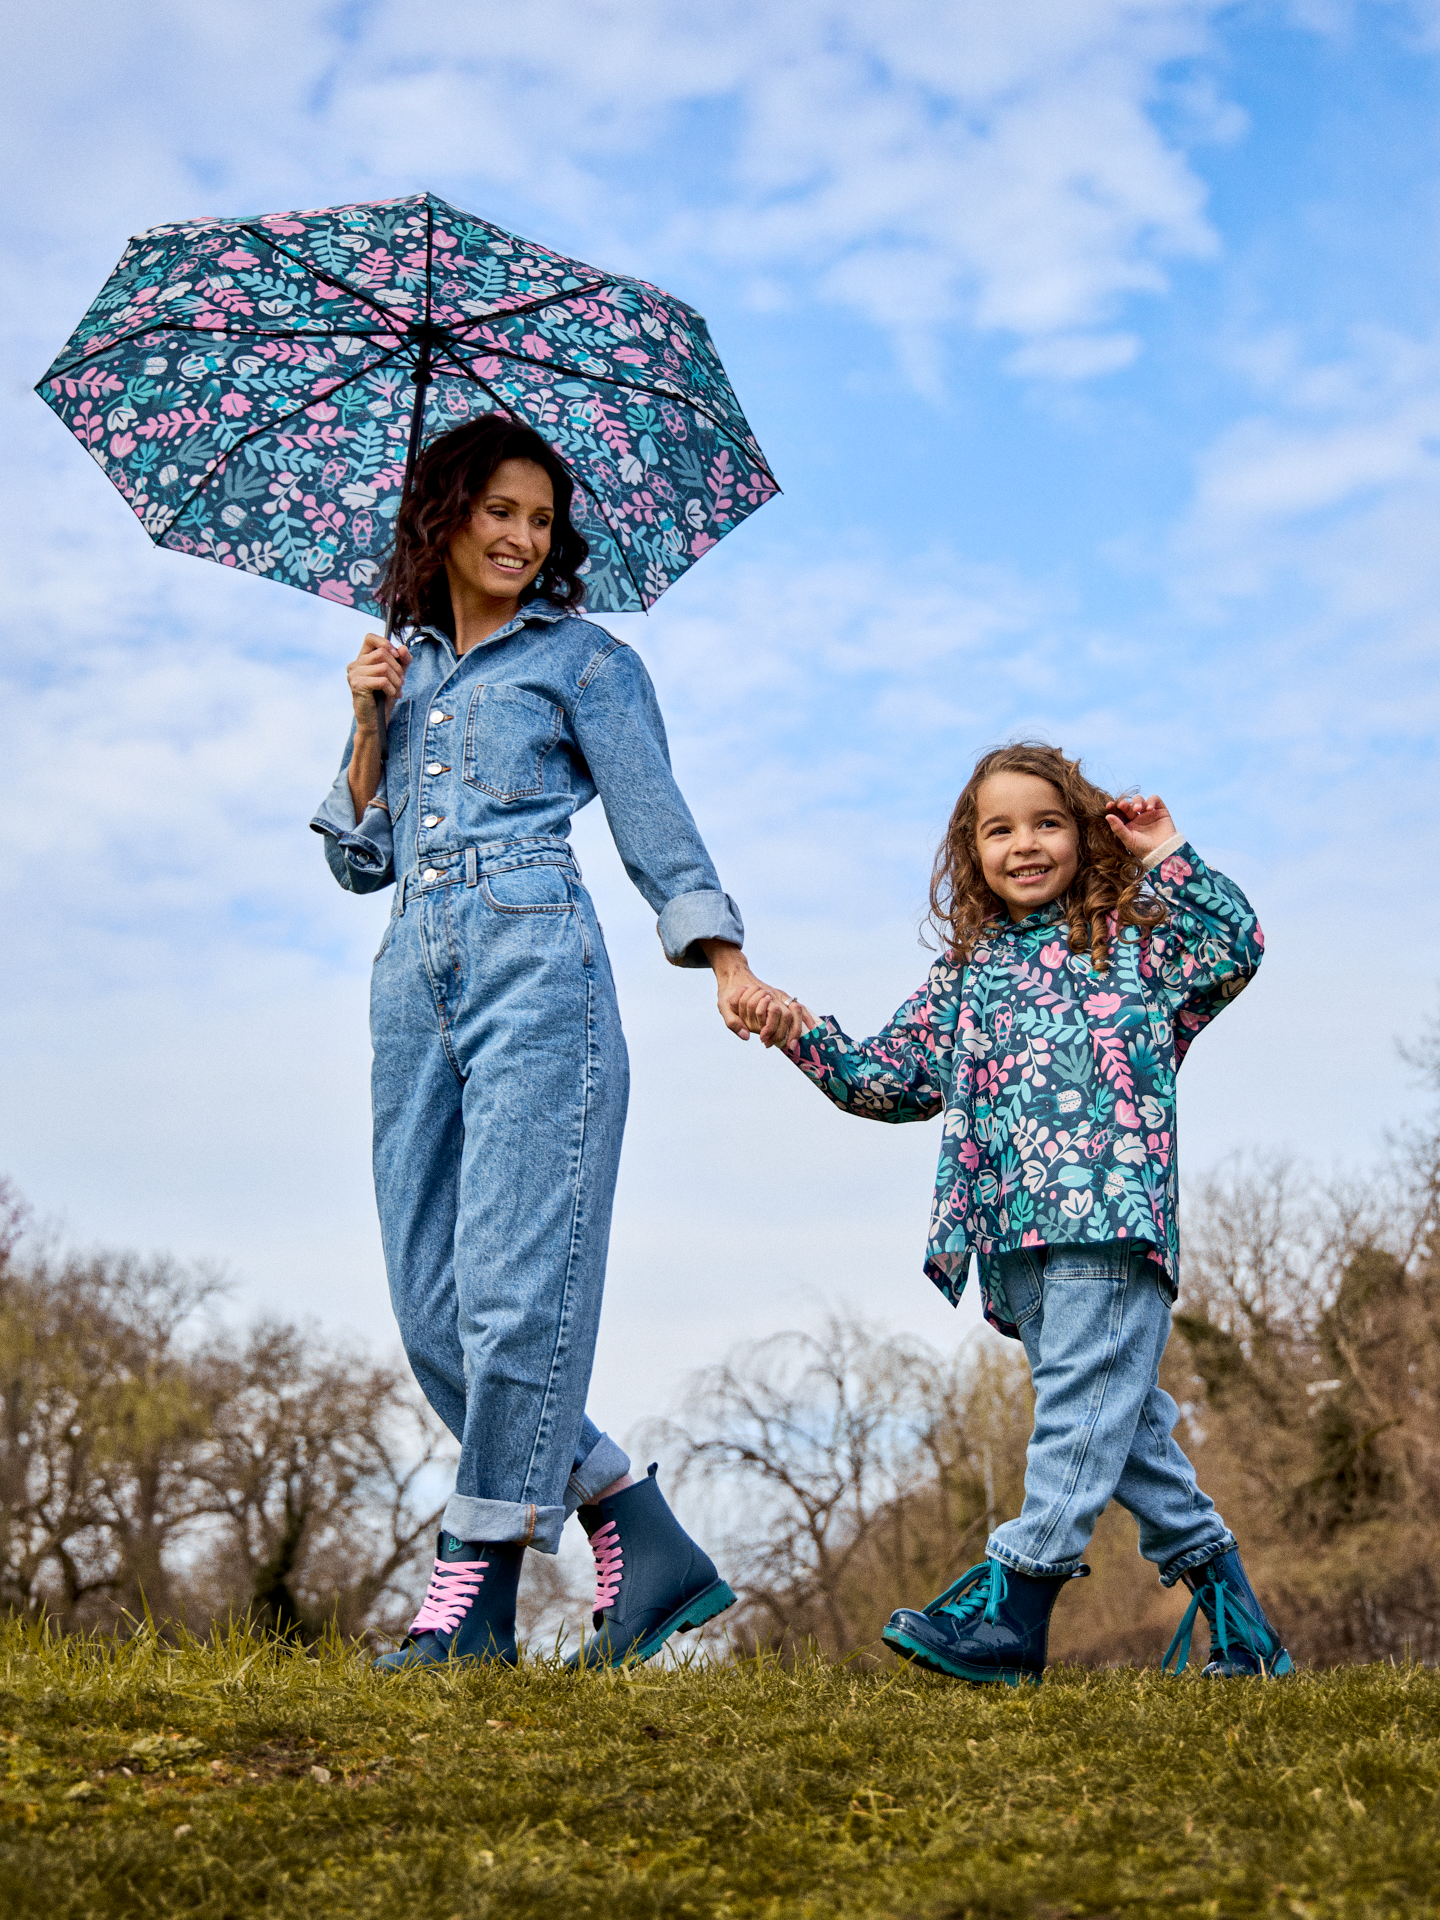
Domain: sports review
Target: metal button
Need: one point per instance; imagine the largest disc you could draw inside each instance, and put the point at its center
(433, 819)
(437, 716)
(435, 767)
(431, 873)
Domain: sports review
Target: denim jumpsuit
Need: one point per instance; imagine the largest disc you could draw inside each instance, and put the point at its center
(500, 1075)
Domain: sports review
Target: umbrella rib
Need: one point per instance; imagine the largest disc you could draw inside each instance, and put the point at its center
(485, 387)
(634, 386)
(319, 272)
(268, 426)
(211, 333)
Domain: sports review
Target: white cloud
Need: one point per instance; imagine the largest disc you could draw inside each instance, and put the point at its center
(998, 164)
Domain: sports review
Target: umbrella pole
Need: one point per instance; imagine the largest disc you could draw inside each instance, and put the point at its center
(421, 377)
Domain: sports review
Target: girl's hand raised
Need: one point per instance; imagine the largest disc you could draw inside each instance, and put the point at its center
(1143, 824)
(379, 667)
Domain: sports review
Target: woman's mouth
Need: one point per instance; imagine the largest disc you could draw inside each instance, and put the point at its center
(507, 563)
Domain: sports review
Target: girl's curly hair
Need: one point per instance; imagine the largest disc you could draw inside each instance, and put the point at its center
(1105, 893)
(449, 475)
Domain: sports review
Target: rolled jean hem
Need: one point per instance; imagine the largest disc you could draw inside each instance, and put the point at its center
(1196, 1557)
(494, 1521)
(1037, 1570)
(601, 1468)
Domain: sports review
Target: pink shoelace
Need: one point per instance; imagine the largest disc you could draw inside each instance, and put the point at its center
(453, 1585)
(609, 1564)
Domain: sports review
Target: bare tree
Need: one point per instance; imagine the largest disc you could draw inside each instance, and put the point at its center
(866, 1466)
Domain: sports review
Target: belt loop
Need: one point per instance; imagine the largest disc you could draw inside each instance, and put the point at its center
(472, 867)
(404, 882)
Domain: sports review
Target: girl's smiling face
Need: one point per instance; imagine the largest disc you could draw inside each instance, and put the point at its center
(1028, 842)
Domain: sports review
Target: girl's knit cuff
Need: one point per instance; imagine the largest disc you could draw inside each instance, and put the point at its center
(1162, 852)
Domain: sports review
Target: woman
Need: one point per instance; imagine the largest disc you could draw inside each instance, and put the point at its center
(500, 1075)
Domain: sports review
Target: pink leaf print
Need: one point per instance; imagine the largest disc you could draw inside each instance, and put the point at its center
(278, 224)
(1030, 1238)
(1175, 869)
(234, 404)
(1110, 1058)
(340, 590)
(320, 411)
(1127, 1115)
(1100, 1006)
(532, 343)
(1052, 955)
(702, 543)
(238, 257)
(121, 444)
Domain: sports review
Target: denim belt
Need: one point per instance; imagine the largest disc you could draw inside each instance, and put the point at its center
(466, 865)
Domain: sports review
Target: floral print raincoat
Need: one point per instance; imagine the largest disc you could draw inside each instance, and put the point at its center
(1057, 1083)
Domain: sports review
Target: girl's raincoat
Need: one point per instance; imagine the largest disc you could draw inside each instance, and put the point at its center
(1057, 1083)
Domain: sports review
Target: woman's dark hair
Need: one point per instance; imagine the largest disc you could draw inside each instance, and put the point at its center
(448, 477)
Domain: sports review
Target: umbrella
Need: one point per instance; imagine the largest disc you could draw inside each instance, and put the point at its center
(246, 385)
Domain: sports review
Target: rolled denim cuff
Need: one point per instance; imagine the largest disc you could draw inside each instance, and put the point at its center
(1196, 1557)
(492, 1521)
(602, 1467)
(361, 856)
(1022, 1563)
(689, 917)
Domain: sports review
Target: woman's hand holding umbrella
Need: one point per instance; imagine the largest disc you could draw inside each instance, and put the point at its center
(378, 668)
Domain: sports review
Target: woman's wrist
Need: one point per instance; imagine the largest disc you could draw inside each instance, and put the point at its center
(727, 960)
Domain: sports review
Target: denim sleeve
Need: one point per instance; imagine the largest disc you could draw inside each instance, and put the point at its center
(622, 736)
(895, 1076)
(361, 856)
(1208, 950)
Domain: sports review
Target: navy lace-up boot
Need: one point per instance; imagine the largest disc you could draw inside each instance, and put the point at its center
(1243, 1644)
(651, 1580)
(991, 1625)
(469, 1609)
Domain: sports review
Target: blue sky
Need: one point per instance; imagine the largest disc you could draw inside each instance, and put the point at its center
(1095, 345)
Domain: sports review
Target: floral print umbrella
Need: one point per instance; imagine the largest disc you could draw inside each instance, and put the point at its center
(258, 390)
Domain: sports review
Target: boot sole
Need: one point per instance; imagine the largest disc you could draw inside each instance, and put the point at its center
(924, 1656)
(696, 1611)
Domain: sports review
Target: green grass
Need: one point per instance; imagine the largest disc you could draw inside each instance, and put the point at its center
(265, 1781)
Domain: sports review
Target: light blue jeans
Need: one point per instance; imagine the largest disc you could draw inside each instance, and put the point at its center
(500, 1085)
(1094, 1321)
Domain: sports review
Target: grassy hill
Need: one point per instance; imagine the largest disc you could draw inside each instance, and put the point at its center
(245, 1778)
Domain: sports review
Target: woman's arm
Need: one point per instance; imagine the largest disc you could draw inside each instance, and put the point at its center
(359, 848)
(620, 732)
(379, 667)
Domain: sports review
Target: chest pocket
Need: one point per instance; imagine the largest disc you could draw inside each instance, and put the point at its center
(397, 767)
(507, 736)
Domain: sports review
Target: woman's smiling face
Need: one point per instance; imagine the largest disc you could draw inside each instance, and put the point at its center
(506, 541)
(1028, 842)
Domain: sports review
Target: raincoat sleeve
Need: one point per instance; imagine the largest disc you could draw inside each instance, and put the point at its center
(898, 1075)
(622, 736)
(361, 855)
(1209, 948)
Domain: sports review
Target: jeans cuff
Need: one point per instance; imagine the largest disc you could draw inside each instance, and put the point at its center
(706, 914)
(494, 1521)
(602, 1467)
(1021, 1563)
(1196, 1557)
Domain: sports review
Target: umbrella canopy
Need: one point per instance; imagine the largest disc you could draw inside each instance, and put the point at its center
(258, 389)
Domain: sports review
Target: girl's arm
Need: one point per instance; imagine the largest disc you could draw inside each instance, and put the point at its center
(1211, 946)
(896, 1076)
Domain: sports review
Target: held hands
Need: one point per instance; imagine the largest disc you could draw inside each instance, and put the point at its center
(379, 667)
(1142, 824)
(747, 1005)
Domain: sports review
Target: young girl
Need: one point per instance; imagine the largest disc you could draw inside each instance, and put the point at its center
(1086, 944)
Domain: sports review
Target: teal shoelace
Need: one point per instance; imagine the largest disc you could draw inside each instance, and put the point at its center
(1229, 1618)
(981, 1590)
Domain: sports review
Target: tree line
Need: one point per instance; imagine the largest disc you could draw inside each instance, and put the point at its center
(153, 1460)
